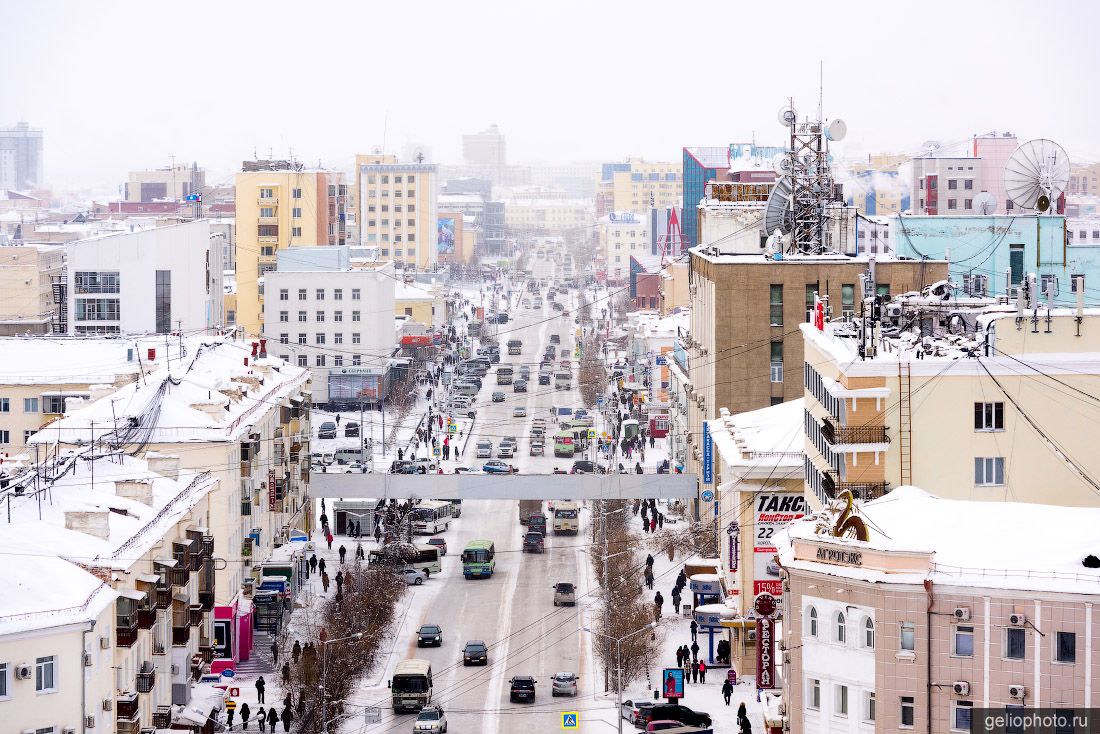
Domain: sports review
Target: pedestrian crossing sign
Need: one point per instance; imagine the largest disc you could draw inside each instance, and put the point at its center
(569, 720)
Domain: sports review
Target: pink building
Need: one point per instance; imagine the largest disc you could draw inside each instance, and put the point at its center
(994, 150)
(949, 607)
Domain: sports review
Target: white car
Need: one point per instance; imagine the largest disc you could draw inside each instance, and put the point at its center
(519, 412)
(564, 684)
(412, 576)
(431, 719)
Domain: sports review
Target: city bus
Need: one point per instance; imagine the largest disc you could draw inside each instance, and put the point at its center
(564, 445)
(411, 685)
(431, 516)
(504, 374)
(479, 558)
(566, 518)
(418, 556)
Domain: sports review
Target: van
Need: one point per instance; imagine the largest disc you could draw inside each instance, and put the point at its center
(484, 449)
(465, 388)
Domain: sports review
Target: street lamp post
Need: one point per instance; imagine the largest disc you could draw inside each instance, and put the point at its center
(324, 671)
(619, 662)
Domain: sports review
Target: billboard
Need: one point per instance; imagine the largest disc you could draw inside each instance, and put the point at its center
(773, 512)
(765, 659)
(445, 235)
(672, 683)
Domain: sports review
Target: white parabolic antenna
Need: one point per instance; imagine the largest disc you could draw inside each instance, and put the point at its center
(788, 116)
(835, 130)
(984, 203)
(781, 164)
(1037, 174)
(777, 215)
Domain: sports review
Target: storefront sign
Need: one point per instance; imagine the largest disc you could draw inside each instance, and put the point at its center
(708, 455)
(733, 530)
(765, 662)
(844, 557)
(773, 512)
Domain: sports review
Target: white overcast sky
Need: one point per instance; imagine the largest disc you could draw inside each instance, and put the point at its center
(124, 85)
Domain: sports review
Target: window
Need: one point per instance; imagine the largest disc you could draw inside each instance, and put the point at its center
(408, 311)
(337, 315)
(1014, 719)
(44, 681)
(355, 316)
(303, 338)
(968, 184)
(355, 360)
(411, 208)
(284, 338)
(302, 316)
(97, 309)
(267, 230)
(267, 211)
(303, 360)
(320, 316)
(163, 301)
(989, 471)
(296, 193)
(777, 361)
(776, 305)
(5, 436)
(302, 294)
(814, 701)
(961, 719)
(338, 338)
(96, 282)
(1074, 279)
(847, 300)
(841, 701)
(908, 709)
(4, 680)
(320, 294)
(952, 184)
(989, 416)
(1016, 263)
(869, 634)
(5, 405)
(1065, 647)
(338, 361)
(811, 293)
(284, 316)
(266, 193)
(295, 231)
(355, 294)
(882, 289)
(385, 179)
(320, 338)
(320, 360)
(1048, 282)
(296, 212)
(355, 337)
(964, 641)
(952, 203)
(284, 294)
(1015, 642)
(337, 294)
(30, 405)
(841, 632)
(869, 707)
(410, 179)
(908, 636)
(968, 203)
(1008, 205)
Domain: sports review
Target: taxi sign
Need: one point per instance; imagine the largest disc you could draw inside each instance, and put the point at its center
(569, 720)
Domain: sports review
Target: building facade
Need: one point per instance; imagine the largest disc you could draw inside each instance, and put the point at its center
(945, 185)
(637, 185)
(398, 211)
(21, 160)
(705, 164)
(32, 304)
(620, 236)
(1084, 180)
(173, 183)
(280, 204)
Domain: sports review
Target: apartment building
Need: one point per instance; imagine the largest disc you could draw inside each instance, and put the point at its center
(173, 183)
(1084, 180)
(336, 320)
(965, 398)
(621, 235)
(947, 185)
(949, 607)
(398, 211)
(558, 217)
(280, 204)
(637, 185)
(32, 302)
(21, 159)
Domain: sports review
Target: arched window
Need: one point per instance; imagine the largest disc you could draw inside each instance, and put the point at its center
(811, 616)
(841, 629)
(869, 634)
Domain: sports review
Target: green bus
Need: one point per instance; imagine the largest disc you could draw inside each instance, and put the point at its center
(479, 558)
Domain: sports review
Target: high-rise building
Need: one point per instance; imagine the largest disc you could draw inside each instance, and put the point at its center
(486, 148)
(173, 183)
(280, 204)
(994, 150)
(397, 209)
(636, 185)
(21, 157)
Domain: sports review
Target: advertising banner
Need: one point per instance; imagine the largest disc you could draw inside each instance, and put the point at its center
(773, 512)
(765, 660)
(708, 455)
(672, 683)
(271, 490)
(445, 235)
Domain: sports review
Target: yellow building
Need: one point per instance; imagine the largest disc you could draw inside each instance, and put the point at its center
(875, 186)
(1084, 180)
(27, 277)
(529, 217)
(674, 287)
(279, 207)
(983, 409)
(637, 186)
(398, 209)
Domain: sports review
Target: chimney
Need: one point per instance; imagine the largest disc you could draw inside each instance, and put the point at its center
(92, 522)
(263, 348)
(167, 465)
(151, 354)
(139, 490)
(255, 347)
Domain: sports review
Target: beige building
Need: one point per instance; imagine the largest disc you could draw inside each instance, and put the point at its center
(1084, 180)
(279, 205)
(984, 408)
(619, 236)
(173, 183)
(949, 607)
(674, 287)
(558, 217)
(28, 276)
(637, 185)
(398, 210)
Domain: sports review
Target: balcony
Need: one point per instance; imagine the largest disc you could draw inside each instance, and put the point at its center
(126, 636)
(208, 546)
(126, 706)
(267, 220)
(268, 239)
(246, 469)
(195, 615)
(836, 434)
(268, 201)
(147, 617)
(861, 491)
(163, 597)
(162, 717)
(207, 652)
(206, 600)
(128, 725)
(178, 576)
(146, 677)
(181, 636)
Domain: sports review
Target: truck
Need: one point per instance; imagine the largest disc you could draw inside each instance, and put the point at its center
(515, 346)
(474, 328)
(528, 508)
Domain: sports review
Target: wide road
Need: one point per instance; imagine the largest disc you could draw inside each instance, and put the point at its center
(513, 611)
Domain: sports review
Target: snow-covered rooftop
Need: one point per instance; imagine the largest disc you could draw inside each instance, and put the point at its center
(60, 360)
(974, 544)
(771, 436)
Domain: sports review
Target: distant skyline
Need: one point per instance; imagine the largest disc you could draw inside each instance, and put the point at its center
(127, 85)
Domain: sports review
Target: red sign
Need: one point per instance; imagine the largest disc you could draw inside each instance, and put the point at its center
(271, 490)
(764, 605)
(765, 662)
(416, 341)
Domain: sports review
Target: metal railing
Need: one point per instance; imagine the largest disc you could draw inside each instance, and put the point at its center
(836, 434)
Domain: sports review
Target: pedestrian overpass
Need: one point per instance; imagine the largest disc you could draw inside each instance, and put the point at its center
(504, 486)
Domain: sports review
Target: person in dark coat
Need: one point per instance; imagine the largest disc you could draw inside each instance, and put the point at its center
(324, 582)
(675, 600)
(658, 603)
(359, 553)
(695, 672)
(661, 520)
(287, 699)
(679, 657)
(301, 702)
(313, 563)
(229, 714)
(649, 560)
(727, 691)
(324, 520)
(637, 467)
(275, 652)
(288, 718)
(343, 554)
(695, 650)
(286, 673)
(272, 717)
(245, 713)
(296, 651)
(321, 565)
(694, 630)
(261, 716)
(260, 685)
(339, 581)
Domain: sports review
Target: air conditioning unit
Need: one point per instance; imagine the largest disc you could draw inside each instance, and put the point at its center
(782, 709)
(108, 704)
(962, 614)
(1017, 691)
(961, 688)
(87, 660)
(89, 722)
(105, 642)
(1017, 620)
(175, 670)
(24, 671)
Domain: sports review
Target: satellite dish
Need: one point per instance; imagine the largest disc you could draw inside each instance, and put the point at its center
(836, 130)
(984, 203)
(781, 164)
(931, 146)
(777, 210)
(1036, 174)
(788, 116)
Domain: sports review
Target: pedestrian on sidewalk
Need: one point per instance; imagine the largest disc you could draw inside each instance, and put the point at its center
(272, 718)
(301, 702)
(638, 467)
(324, 581)
(377, 533)
(637, 506)
(400, 454)
(321, 565)
(328, 537)
(675, 600)
(275, 651)
(694, 630)
(287, 699)
(727, 691)
(359, 554)
(260, 685)
(649, 561)
(343, 554)
(245, 712)
(337, 419)
(229, 713)
(661, 520)
(652, 524)
(649, 578)
(695, 672)
(658, 603)
(679, 657)
(296, 651)
(286, 673)
(313, 563)
(651, 440)
(695, 650)
(702, 671)
(339, 581)
(261, 716)
(687, 671)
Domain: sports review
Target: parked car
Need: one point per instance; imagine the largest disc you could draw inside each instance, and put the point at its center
(412, 576)
(584, 466)
(498, 396)
(519, 412)
(476, 652)
(676, 712)
(429, 634)
(564, 684)
(351, 429)
(327, 430)
(522, 688)
(439, 543)
(636, 711)
(534, 542)
(565, 594)
(431, 719)
(495, 466)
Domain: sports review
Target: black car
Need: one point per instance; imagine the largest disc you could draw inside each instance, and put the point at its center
(533, 542)
(351, 430)
(429, 634)
(519, 386)
(475, 653)
(555, 339)
(544, 379)
(676, 712)
(522, 688)
(583, 466)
